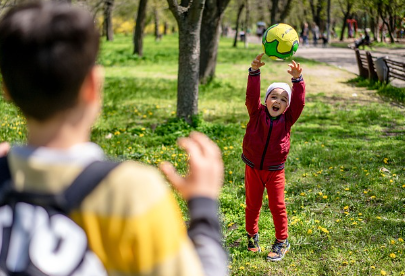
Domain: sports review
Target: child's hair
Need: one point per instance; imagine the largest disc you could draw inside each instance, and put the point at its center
(46, 51)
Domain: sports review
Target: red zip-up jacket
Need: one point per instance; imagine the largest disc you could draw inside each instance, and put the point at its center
(267, 140)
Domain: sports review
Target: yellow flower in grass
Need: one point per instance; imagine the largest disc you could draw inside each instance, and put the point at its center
(325, 197)
(346, 208)
(383, 272)
(401, 240)
(378, 217)
(230, 172)
(243, 205)
(347, 189)
(267, 197)
(372, 267)
(309, 232)
(372, 197)
(302, 194)
(393, 256)
(345, 263)
(242, 268)
(392, 242)
(141, 135)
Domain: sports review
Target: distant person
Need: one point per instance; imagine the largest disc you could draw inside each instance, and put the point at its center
(364, 40)
(324, 37)
(133, 224)
(305, 34)
(265, 148)
(315, 33)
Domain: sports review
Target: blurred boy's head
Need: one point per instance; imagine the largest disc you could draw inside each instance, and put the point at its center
(46, 52)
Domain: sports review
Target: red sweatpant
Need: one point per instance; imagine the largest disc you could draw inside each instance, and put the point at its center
(274, 182)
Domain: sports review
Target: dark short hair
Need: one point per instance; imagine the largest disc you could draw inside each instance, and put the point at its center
(46, 51)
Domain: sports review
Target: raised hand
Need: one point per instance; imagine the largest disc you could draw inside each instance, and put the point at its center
(257, 62)
(295, 70)
(206, 169)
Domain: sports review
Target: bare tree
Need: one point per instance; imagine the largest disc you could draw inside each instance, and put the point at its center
(107, 26)
(316, 9)
(156, 17)
(346, 12)
(390, 12)
(209, 37)
(188, 15)
(139, 27)
(240, 9)
(275, 9)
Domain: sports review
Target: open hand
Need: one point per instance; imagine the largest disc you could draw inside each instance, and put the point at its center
(295, 70)
(206, 169)
(257, 63)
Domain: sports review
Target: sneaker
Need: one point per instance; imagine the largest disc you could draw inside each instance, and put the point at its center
(278, 250)
(253, 243)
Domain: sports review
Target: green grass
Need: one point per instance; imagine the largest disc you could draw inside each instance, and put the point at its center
(345, 190)
(387, 91)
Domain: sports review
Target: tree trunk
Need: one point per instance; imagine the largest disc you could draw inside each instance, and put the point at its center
(108, 28)
(273, 12)
(237, 24)
(139, 27)
(286, 11)
(165, 28)
(209, 37)
(345, 17)
(188, 16)
(157, 32)
(328, 23)
(247, 23)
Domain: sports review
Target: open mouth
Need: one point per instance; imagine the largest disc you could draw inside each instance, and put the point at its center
(275, 108)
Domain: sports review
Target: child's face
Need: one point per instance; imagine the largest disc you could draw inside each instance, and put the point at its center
(277, 102)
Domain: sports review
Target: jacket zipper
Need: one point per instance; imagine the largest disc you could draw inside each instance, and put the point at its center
(267, 144)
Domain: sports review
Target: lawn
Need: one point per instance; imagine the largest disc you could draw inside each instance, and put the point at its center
(345, 190)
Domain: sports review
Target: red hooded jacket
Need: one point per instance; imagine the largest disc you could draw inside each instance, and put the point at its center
(267, 140)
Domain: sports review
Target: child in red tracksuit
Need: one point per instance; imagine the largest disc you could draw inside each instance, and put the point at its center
(265, 148)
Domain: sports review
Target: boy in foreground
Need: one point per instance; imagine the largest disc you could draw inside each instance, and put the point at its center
(131, 219)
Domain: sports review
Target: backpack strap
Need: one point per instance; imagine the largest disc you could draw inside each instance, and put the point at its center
(85, 183)
(73, 196)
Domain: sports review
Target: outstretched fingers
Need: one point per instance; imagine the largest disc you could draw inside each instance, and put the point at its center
(257, 62)
(176, 180)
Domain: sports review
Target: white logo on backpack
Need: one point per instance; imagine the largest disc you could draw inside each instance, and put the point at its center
(54, 244)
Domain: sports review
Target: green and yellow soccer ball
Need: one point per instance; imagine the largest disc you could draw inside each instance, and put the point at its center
(280, 41)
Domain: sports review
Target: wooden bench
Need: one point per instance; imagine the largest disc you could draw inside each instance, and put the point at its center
(396, 69)
(366, 66)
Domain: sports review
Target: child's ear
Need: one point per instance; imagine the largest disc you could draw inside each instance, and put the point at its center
(93, 84)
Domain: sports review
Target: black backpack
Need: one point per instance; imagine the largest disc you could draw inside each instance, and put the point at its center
(36, 235)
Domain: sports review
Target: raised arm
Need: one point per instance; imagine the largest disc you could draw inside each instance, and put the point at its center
(298, 94)
(201, 189)
(253, 85)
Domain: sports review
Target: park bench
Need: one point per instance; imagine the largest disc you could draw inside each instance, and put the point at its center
(366, 65)
(396, 69)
